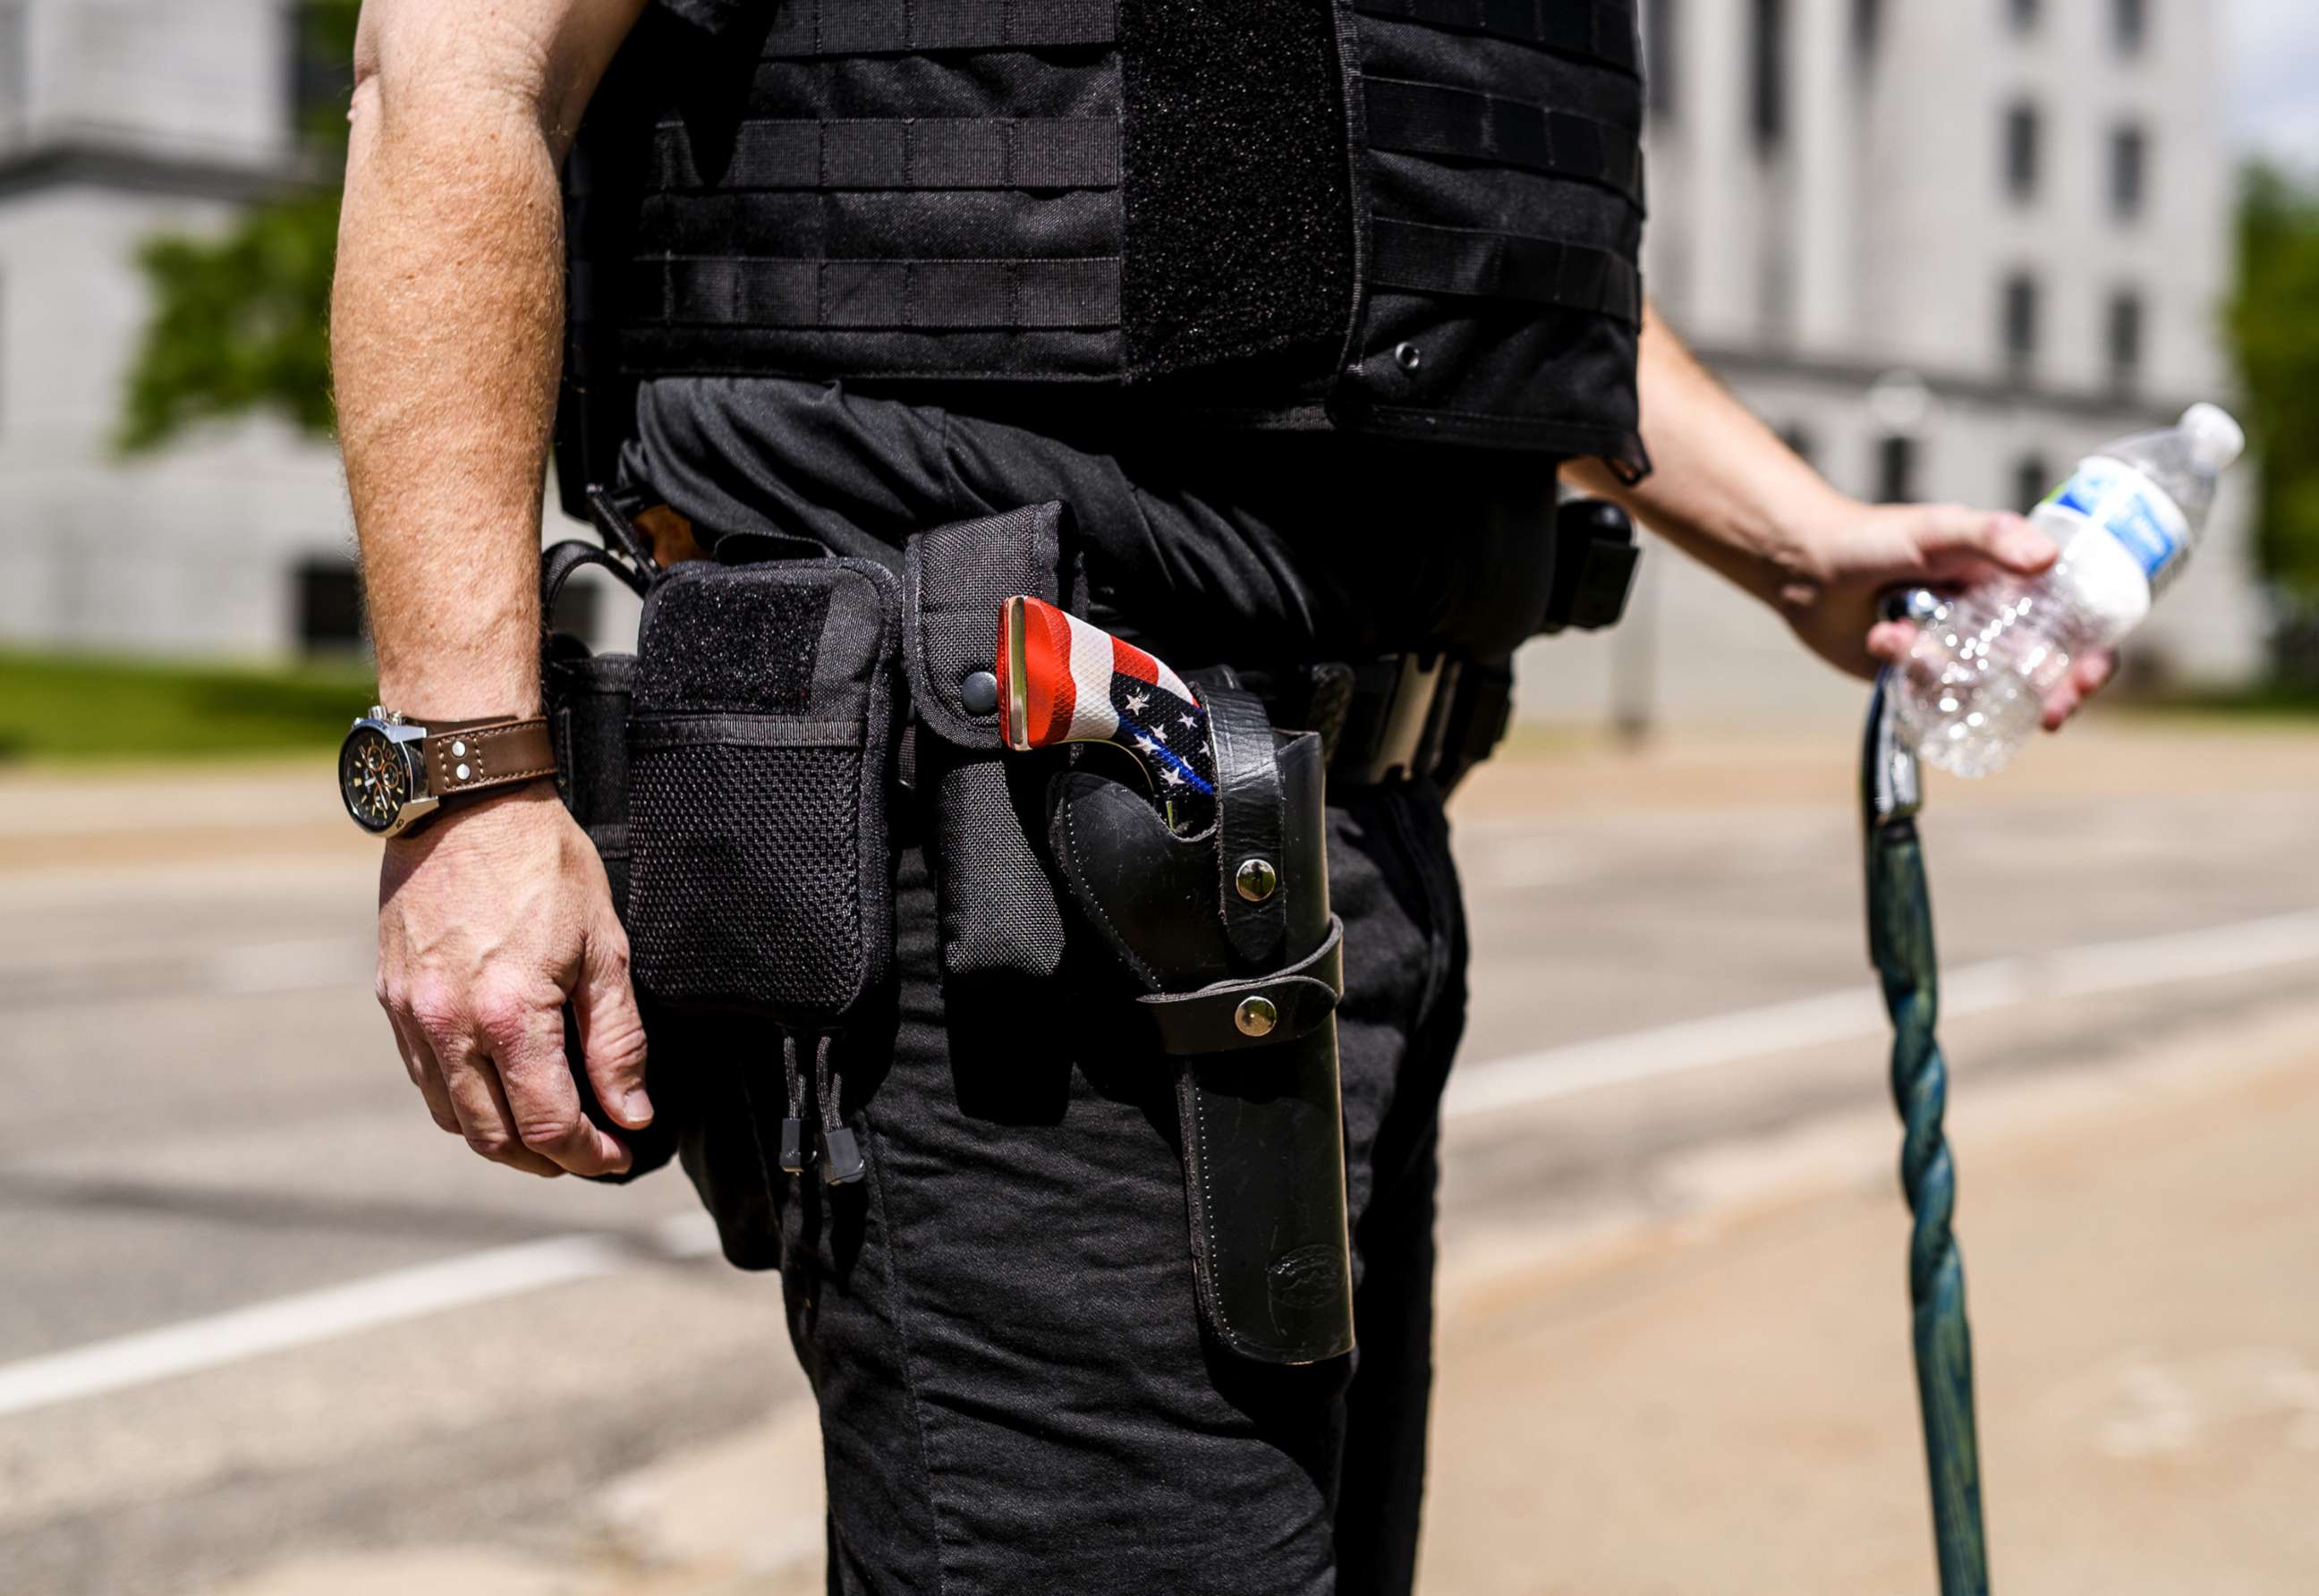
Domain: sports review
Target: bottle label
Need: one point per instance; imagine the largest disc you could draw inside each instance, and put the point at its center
(2129, 506)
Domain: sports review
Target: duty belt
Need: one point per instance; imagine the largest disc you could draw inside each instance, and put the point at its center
(1430, 716)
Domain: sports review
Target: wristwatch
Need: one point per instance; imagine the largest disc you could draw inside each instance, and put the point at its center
(395, 776)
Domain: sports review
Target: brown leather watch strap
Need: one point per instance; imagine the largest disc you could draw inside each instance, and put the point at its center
(479, 755)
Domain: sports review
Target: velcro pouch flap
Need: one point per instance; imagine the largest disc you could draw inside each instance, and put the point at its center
(760, 740)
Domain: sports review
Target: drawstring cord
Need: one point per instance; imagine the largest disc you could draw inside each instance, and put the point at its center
(841, 1154)
(793, 1153)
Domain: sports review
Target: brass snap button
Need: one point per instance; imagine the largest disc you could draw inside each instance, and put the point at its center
(1256, 1016)
(1256, 879)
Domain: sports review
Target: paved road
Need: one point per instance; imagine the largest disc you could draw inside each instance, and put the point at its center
(205, 1115)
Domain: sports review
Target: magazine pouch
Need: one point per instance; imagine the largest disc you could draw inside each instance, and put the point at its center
(998, 911)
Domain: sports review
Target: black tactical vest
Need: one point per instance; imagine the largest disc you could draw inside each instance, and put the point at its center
(1409, 217)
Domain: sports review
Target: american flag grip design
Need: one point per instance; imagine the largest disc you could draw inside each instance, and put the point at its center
(1061, 680)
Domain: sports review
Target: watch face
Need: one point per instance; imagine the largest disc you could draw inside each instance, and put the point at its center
(373, 777)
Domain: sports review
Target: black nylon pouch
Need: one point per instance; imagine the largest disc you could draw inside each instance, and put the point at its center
(999, 915)
(759, 739)
(1241, 990)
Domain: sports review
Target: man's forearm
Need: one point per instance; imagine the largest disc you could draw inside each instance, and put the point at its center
(445, 338)
(1724, 489)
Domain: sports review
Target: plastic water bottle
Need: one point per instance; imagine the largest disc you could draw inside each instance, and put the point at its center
(1975, 687)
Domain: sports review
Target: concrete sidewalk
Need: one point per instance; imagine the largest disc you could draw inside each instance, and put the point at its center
(1712, 1393)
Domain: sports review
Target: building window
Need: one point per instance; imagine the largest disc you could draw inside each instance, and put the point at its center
(2024, 14)
(2131, 21)
(1896, 469)
(2129, 171)
(329, 604)
(2032, 479)
(2125, 337)
(1769, 98)
(2023, 147)
(1659, 23)
(2020, 319)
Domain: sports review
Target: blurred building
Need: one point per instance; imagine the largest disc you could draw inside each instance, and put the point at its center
(120, 120)
(1945, 251)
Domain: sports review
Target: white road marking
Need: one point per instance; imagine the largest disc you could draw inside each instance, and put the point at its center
(1478, 1089)
(308, 1317)
(1542, 1077)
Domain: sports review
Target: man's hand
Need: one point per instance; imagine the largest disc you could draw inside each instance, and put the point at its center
(1845, 564)
(1729, 493)
(488, 921)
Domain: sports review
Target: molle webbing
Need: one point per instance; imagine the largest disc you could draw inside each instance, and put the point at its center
(902, 152)
(1603, 33)
(1425, 118)
(882, 27)
(1500, 157)
(1473, 265)
(875, 188)
(1422, 216)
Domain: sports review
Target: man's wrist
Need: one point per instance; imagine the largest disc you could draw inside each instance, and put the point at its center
(1799, 548)
(500, 804)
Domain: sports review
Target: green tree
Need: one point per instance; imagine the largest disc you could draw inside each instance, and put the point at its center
(2274, 324)
(241, 323)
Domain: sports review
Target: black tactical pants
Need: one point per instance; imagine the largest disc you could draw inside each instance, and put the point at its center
(999, 1321)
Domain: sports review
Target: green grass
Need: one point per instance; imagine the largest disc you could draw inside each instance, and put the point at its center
(79, 707)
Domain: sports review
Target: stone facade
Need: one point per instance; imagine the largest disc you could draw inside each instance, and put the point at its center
(1840, 199)
(1817, 229)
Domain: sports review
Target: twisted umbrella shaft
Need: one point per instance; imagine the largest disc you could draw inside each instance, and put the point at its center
(1901, 945)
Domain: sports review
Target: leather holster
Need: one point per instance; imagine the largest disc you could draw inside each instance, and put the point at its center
(1242, 962)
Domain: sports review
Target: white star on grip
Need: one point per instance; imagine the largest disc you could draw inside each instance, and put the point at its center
(1136, 701)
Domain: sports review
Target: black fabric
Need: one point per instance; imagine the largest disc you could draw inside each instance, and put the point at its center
(759, 742)
(900, 152)
(1239, 234)
(1426, 118)
(1505, 304)
(998, 1323)
(998, 1320)
(1200, 544)
(1398, 217)
(1502, 265)
(870, 27)
(1603, 30)
(1001, 916)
